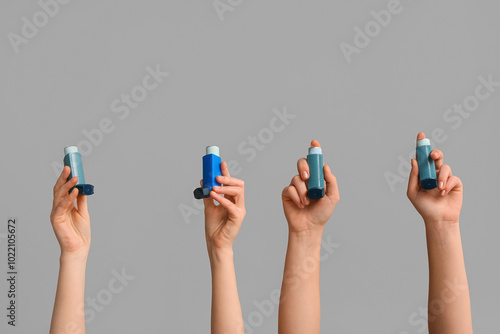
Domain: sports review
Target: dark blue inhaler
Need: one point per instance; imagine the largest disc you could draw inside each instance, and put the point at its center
(211, 168)
(426, 166)
(316, 181)
(73, 159)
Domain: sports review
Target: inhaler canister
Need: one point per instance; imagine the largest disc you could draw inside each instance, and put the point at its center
(426, 166)
(211, 168)
(73, 159)
(316, 181)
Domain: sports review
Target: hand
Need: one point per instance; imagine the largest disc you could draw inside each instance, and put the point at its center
(302, 213)
(441, 204)
(222, 222)
(71, 224)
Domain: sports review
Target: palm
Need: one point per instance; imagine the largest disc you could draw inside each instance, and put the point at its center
(218, 226)
(434, 207)
(316, 213)
(72, 229)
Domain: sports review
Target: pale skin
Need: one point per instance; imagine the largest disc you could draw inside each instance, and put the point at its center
(222, 223)
(449, 302)
(299, 309)
(71, 224)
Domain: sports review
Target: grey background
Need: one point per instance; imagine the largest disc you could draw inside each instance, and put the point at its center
(225, 79)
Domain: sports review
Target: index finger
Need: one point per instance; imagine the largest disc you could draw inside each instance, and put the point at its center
(229, 181)
(224, 170)
(438, 158)
(332, 189)
(303, 168)
(61, 180)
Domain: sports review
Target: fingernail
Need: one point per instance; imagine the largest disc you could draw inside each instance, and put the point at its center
(441, 184)
(443, 192)
(304, 175)
(306, 200)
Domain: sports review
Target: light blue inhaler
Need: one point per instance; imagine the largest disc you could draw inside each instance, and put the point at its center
(73, 159)
(211, 168)
(316, 181)
(426, 166)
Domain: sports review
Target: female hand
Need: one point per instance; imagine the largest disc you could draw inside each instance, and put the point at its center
(71, 224)
(302, 213)
(223, 221)
(442, 204)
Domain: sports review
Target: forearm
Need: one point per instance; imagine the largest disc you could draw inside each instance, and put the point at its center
(68, 315)
(226, 309)
(299, 310)
(449, 303)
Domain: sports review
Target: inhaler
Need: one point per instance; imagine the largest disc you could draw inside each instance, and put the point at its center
(73, 159)
(211, 168)
(426, 166)
(316, 181)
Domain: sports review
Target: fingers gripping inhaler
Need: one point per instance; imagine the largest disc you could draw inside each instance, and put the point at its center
(316, 181)
(211, 168)
(73, 159)
(426, 166)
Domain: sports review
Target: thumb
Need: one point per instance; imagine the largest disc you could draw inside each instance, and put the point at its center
(208, 202)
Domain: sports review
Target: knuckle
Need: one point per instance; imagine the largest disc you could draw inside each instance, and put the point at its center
(285, 190)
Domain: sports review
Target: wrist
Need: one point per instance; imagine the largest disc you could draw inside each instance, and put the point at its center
(442, 230)
(441, 226)
(309, 237)
(219, 254)
(74, 257)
